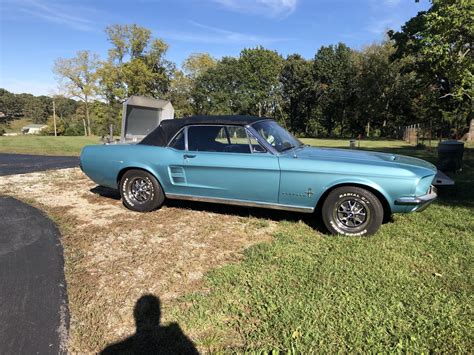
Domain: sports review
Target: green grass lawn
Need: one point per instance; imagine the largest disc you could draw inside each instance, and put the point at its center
(45, 145)
(409, 288)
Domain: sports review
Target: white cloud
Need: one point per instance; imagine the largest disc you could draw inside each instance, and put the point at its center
(271, 8)
(215, 35)
(77, 18)
(385, 15)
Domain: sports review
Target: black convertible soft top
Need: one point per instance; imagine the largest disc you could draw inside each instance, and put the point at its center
(167, 129)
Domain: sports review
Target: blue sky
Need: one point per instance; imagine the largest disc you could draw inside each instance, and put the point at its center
(34, 33)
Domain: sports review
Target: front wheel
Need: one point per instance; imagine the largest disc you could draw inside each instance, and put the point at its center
(352, 211)
(141, 191)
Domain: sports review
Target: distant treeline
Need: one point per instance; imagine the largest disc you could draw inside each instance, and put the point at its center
(422, 74)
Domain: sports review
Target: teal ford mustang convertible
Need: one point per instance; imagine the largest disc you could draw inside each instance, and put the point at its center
(252, 161)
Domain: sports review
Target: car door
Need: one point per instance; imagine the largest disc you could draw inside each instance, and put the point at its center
(226, 162)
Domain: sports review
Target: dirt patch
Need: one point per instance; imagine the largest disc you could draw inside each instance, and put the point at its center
(113, 255)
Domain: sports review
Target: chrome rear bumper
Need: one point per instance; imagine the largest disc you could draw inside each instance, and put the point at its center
(420, 202)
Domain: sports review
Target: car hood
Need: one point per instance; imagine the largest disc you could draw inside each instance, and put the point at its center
(364, 157)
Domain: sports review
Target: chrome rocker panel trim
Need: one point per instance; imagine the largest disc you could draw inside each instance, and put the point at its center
(241, 203)
(420, 201)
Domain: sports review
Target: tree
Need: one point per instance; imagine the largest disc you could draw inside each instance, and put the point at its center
(298, 92)
(217, 91)
(79, 78)
(65, 107)
(441, 42)
(38, 109)
(334, 74)
(136, 65)
(184, 81)
(10, 104)
(197, 64)
(260, 87)
(180, 94)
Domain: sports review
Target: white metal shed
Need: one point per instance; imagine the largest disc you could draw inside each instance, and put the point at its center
(141, 115)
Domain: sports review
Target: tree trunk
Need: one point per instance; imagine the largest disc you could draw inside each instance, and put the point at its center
(54, 119)
(85, 128)
(87, 116)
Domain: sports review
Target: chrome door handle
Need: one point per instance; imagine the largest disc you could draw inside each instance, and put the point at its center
(189, 156)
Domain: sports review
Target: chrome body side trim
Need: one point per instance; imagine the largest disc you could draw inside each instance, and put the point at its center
(422, 201)
(241, 203)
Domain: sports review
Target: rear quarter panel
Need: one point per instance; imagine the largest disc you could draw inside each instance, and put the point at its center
(103, 163)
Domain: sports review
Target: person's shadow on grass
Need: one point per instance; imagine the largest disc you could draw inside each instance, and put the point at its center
(150, 336)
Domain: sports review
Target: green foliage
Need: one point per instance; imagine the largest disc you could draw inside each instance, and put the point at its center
(38, 109)
(440, 42)
(245, 85)
(298, 93)
(217, 91)
(260, 88)
(197, 64)
(49, 131)
(184, 81)
(136, 65)
(78, 77)
(334, 75)
(10, 104)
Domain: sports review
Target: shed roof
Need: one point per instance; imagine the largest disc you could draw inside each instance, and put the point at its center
(35, 125)
(146, 102)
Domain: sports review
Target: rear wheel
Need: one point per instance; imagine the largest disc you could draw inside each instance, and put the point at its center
(141, 191)
(352, 211)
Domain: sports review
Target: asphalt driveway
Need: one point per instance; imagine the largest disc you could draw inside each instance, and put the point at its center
(23, 163)
(33, 300)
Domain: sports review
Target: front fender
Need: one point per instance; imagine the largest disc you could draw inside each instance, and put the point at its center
(389, 188)
(360, 182)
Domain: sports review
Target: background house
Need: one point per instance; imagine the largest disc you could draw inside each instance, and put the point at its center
(33, 128)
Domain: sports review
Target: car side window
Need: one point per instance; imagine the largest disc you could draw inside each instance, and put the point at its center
(238, 140)
(207, 138)
(178, 141)
(224, 139)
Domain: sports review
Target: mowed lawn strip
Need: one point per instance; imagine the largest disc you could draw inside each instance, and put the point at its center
(46, 145)
(409, 288)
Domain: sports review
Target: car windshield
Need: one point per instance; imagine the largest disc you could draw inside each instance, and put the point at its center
(276, 136)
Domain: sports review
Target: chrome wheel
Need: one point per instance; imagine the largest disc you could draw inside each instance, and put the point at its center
(141, 189)
(351, 213)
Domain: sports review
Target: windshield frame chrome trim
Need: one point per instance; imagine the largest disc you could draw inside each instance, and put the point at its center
(261, 140)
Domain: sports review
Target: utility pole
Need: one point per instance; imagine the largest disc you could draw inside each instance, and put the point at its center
(54, 118)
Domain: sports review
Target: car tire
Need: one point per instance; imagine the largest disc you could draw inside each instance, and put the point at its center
(352, 211)
(141, 191)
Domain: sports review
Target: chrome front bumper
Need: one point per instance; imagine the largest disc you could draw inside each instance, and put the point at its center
(420, 202)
